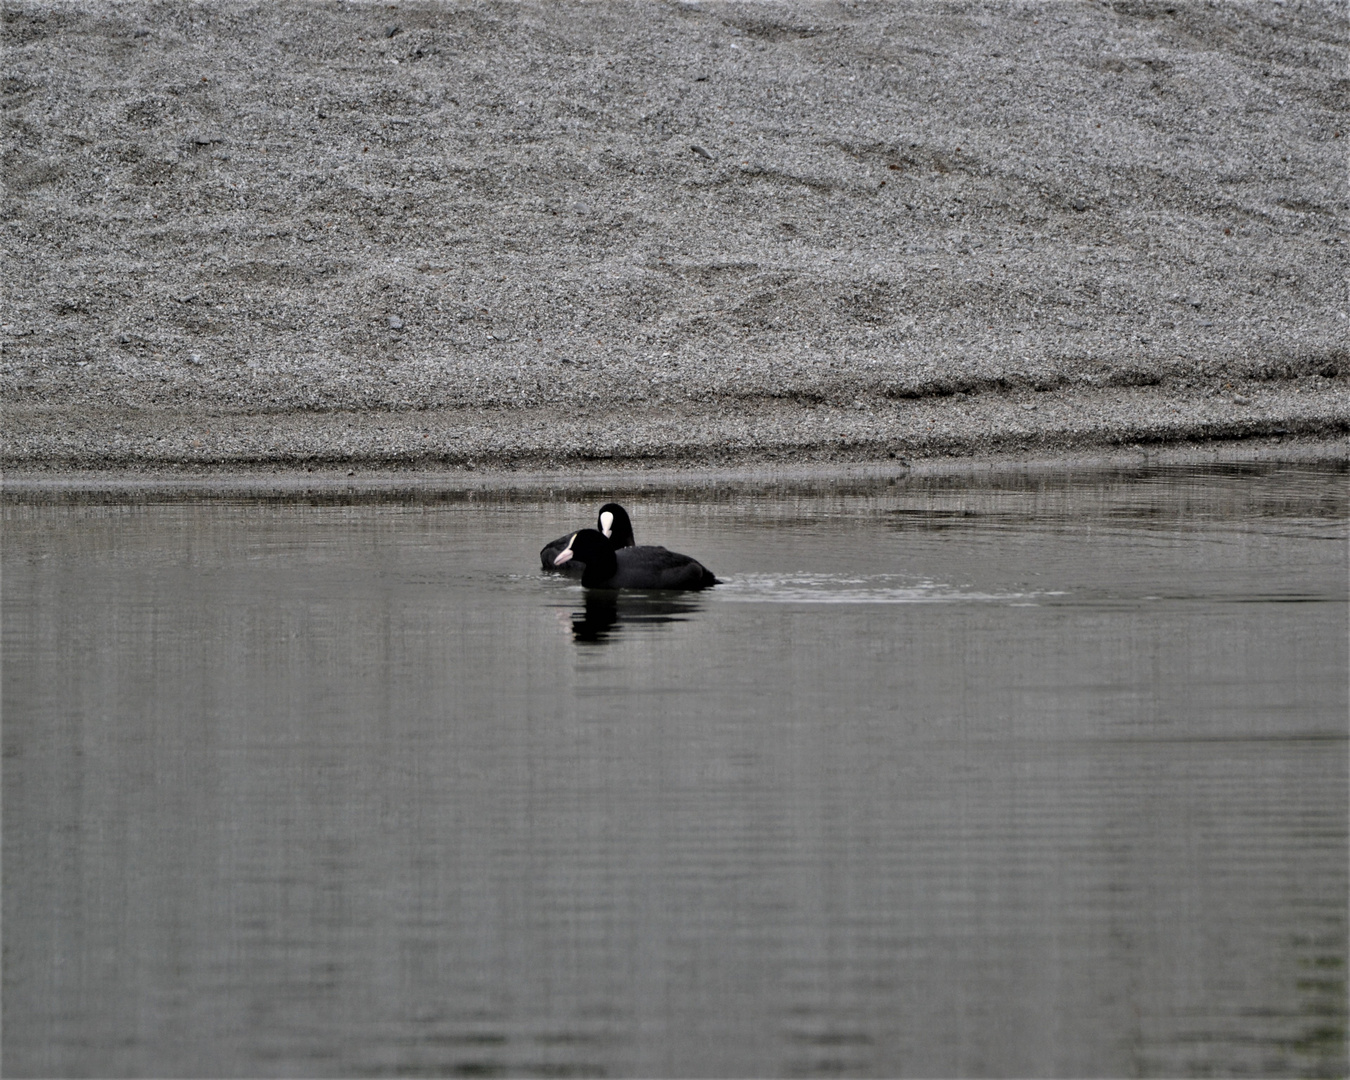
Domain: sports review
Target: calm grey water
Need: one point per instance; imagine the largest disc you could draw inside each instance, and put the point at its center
(1032, 776)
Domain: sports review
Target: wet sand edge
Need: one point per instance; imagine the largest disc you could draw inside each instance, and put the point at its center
(207, 480)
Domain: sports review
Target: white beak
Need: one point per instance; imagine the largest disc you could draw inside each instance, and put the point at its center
(566, 554)
(607, 523)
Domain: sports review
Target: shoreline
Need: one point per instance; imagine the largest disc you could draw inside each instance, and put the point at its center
(210, 481)
(706, 433)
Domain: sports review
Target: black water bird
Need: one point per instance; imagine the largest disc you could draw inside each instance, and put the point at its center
(632, 567)
(612, 521)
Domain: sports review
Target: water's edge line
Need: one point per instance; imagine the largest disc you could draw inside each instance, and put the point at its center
(234, 480)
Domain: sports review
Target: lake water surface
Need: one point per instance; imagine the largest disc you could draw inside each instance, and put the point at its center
(1035, 775)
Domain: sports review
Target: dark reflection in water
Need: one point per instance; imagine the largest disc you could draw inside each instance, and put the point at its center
(607, 608)
(1032, 776)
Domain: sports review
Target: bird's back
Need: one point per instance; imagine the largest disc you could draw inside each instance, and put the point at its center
(651, 567)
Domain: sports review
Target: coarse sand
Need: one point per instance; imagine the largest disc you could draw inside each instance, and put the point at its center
(659, 234)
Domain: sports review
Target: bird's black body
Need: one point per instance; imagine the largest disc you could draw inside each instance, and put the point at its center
(620, 533)
(632, 567)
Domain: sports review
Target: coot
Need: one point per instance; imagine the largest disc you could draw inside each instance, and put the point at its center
(632, 567)
(612, 521)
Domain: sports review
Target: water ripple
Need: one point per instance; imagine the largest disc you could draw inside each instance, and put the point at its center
(806, 588)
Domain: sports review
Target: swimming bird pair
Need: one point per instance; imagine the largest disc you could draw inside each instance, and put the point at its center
(608, 558)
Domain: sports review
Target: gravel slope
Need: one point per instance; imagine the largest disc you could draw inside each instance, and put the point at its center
(538, 232)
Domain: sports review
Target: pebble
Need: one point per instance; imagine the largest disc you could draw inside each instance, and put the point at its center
(395, 323)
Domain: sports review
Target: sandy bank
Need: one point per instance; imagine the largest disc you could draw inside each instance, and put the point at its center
(532, 234)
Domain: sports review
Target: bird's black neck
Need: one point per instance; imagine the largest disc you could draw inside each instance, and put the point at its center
(601, 563)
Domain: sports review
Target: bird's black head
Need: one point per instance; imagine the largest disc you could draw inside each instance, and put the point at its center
(594, 549)
(614, 523)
